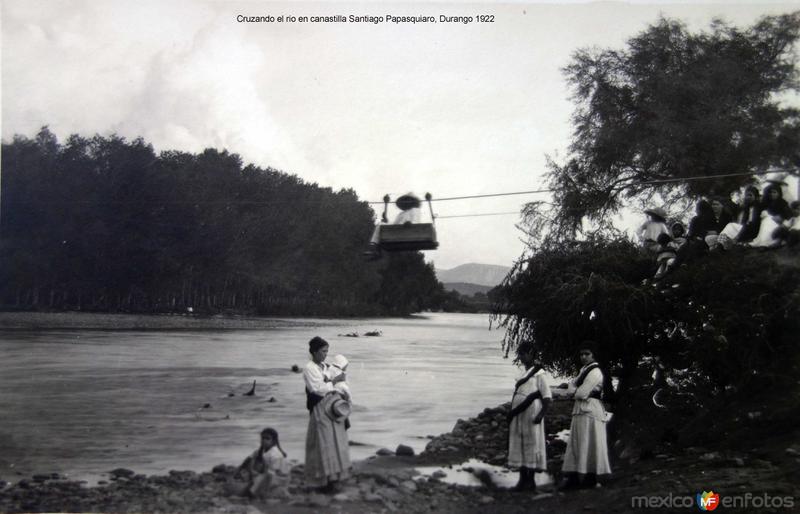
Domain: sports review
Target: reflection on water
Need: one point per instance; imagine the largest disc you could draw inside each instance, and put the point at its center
(468, 474)
(85, 402)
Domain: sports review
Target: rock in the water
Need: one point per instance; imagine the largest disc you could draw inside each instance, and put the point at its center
(384, 452)
(122, 472)
(486, 499)
(295, 368)
(403, 450)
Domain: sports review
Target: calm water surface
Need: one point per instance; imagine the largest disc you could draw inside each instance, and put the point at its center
(84, 402)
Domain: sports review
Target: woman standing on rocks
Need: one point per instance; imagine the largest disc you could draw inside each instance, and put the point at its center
(526, 441)
(327, 450)
(587, 449)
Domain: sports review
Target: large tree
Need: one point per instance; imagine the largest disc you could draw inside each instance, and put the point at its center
(675, 104)
(671, 106)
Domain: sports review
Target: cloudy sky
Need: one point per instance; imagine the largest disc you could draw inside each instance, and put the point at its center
(453, 109)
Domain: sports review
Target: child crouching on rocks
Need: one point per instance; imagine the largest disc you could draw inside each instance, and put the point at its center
(266, 469)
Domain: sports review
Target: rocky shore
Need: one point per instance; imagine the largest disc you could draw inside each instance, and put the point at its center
(391, 482)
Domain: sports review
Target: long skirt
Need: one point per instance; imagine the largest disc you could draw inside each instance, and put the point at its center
(526, 441)
(587, 448)
(327, 451)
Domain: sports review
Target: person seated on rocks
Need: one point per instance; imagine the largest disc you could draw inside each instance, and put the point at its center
(789, 232)
(720, 217)
(775, 212)
(745, 226)
(699, 227)
(665, 259)
(654, 225)
(678, 232)
(266, 470)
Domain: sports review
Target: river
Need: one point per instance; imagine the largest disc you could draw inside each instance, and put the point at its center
(83, 402)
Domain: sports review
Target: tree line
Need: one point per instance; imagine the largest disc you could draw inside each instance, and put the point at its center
(106, 224)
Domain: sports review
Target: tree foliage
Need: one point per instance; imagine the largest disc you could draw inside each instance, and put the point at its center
(106, 224)
(671, 105)
(720, 322)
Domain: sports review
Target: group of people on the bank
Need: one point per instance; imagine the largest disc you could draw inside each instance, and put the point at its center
(762, 220)
(328, 398)
(586, 455)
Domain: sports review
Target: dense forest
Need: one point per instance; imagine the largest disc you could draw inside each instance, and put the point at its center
(106, 224)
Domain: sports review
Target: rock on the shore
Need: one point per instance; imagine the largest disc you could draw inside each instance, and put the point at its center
(403, 450)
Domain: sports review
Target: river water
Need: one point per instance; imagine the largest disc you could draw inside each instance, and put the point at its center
(82, 402)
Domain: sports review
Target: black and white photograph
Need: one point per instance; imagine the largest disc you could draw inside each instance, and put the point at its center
(399, 257)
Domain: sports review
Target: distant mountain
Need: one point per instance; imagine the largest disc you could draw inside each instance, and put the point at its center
(473, 273)
(465, 288)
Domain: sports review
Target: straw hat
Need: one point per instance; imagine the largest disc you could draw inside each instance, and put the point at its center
(337, 408)
(776, 177)
(408, 201)
(657, 212)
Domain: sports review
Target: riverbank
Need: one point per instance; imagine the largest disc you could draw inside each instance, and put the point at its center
(108, 321)
(764, 470)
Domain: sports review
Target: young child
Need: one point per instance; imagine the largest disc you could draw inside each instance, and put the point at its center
(267, 468)
(338, 367)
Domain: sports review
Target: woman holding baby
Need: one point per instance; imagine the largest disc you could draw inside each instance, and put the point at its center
(327, 399)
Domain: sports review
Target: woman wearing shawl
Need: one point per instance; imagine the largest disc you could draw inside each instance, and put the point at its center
(587, 449)
(327, 450)
(775, 211)
(745, 228)
(526, 441)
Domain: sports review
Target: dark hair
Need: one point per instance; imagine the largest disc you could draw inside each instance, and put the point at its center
(772, 187)
(678, 226)
(752, 189)
(274, 435)
(703, 208)
(588, 344)
(316, 343)
(663, 239)
(795, 204)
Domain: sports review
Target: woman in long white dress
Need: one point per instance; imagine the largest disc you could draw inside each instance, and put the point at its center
(327, 446)
(526, 438)
(586, 456)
